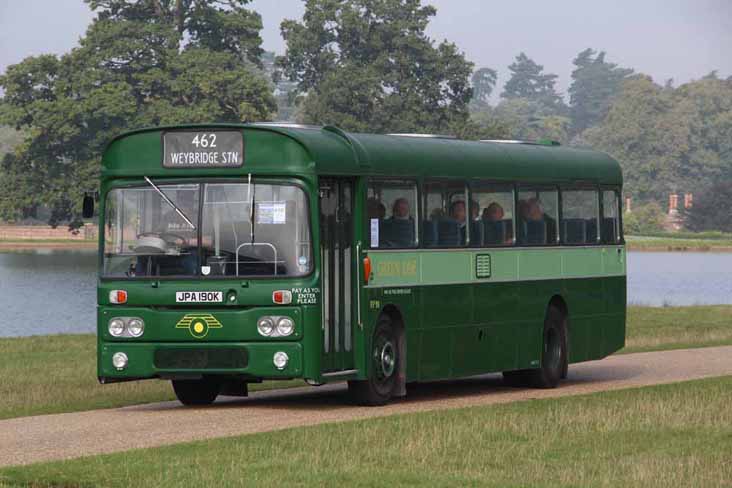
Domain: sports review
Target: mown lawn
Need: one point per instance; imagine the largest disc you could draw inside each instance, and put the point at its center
(664, 436)
(53, 374)
(663, 328)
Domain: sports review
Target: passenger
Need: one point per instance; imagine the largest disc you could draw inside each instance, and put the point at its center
(533, 210)
(437, 214)
(457, 212)
(400, 209)
(493, 212)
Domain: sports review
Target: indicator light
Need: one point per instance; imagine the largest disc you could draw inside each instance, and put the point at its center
(118, 296)
(282, 297)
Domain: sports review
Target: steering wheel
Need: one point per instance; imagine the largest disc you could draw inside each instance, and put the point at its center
(157, 242)
(164, 236)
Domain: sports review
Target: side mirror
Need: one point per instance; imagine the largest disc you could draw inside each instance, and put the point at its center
(87, 208)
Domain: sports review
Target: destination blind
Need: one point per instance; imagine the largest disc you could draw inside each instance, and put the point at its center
(203, 149)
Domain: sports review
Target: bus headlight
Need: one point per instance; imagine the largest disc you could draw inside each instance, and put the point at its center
(285, 326)
(135, 327)
(116, 327)
(266, 326)
(119, 360)
(280, 360)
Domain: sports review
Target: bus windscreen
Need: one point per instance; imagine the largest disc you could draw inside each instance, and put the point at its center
(257, 230)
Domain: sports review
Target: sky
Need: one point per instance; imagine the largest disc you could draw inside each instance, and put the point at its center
(677, 39)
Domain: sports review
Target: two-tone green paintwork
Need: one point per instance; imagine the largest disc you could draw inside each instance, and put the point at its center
(456, 323)
(464, 321)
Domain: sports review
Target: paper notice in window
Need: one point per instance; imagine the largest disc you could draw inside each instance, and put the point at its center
(271, 212)
(374, 232)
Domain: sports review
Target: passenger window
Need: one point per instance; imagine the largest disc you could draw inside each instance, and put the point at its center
(446, 214)
(537, 217)
(579, 217)
(610, 224)
(491, 215)
(391, 208)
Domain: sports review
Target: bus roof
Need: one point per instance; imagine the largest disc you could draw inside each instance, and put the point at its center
(332, 151)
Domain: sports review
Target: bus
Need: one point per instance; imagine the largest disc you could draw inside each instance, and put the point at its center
(236, 253)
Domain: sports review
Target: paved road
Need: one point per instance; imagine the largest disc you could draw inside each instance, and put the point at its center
(63, 436)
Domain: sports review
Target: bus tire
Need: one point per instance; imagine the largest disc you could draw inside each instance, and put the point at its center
(385, 363)
(197, 392)
(553, 352)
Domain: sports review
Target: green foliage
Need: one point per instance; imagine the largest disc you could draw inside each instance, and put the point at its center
(9, 139)
(668, 140)
(648, 218)
(595, 83)
(532, 120)
(712, 209)
(140, 63)
(367, 65)
(528, 81)
(483, 82)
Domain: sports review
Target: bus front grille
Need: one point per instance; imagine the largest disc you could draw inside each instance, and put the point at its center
(201, 358)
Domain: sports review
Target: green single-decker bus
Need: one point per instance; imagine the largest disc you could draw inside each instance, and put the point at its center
(236, 253)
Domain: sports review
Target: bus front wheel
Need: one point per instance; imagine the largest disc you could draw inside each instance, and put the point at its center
(554, 351)
(385, 363)
(197, 392)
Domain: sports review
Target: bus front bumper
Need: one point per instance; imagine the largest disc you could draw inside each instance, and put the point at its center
(175, 359)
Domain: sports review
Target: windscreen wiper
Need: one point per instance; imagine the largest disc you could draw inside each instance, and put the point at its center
(167, 200)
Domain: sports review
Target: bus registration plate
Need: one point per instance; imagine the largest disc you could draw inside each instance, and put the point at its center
(199, 296)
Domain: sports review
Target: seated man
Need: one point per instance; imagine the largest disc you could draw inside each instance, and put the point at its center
(457, 213)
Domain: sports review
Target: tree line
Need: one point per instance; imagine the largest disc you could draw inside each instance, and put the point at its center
(363, 65)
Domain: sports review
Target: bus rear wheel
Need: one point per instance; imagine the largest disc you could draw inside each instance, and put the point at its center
(385, 364)
(554, 351)
(197, 392)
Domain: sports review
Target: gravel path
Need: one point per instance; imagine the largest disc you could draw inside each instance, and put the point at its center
(52, 437)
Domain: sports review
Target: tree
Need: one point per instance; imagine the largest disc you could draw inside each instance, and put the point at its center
(9, 139)
(595, 83)
(141, 63)
(528, 81)
(483, 82)
(644, 219)
(711, 209)
(367, 65)
(530, 120)
(668, 140)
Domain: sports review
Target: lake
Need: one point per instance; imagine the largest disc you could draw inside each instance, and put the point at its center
(51, 291)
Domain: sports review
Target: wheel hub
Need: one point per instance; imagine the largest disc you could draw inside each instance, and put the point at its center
(385, 359)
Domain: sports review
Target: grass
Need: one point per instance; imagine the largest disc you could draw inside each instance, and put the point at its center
(671, 243)
(664, 328)
(669, 435)
(53, 374)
